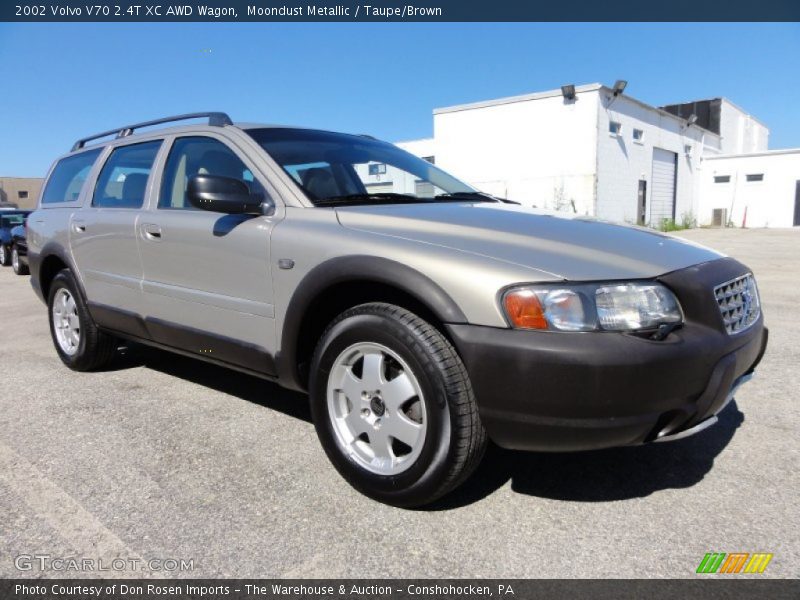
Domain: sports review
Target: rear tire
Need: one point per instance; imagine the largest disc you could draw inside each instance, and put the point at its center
(413, 433)
(19, 267)
(5, 255)
(79, 343)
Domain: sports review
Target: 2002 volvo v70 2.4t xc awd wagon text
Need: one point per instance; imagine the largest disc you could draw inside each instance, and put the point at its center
(422, 316)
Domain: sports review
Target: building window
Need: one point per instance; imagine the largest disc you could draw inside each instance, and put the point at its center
(22, 194)
(638, 135)
(614, 127)
(377, 169)
(722, 178)
(430, 159)
(755, 177)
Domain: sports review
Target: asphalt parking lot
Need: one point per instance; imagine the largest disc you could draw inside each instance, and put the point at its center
(162, 457)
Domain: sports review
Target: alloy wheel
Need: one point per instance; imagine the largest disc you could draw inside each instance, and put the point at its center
(66, 322)
(377, 408)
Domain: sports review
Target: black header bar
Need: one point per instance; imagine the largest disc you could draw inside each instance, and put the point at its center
(399, 11)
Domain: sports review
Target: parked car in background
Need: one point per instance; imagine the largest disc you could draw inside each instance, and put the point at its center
(8, 206)
(9, 220)
(19, 249)
(422, 316)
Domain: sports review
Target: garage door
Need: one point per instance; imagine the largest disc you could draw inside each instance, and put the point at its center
(380, 188)
(662, 187)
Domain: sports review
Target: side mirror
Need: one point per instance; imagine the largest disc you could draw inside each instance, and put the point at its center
(222, 194)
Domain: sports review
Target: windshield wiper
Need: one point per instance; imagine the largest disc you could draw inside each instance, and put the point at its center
(367, 199)
(472, 197)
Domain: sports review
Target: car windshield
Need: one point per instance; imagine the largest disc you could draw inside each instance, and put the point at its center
(12, 220)
(340, 169)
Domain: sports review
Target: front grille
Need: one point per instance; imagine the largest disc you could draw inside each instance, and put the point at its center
(738, 303)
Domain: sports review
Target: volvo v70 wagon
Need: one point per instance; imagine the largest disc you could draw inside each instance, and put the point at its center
(422, 317)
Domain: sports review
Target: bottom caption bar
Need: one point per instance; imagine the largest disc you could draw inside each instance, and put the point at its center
(369, 589)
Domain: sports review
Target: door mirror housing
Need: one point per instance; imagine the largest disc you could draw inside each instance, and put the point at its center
(223, 194)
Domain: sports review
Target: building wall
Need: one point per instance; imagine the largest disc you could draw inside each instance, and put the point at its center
(622, 161)
(706, 112)
(545, 151)
(539, 150)
(392, 180)
(741, 133)
(767, 203)
(424, 148)
(23, 191)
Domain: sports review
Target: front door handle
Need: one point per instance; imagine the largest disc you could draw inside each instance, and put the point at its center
(151, 232)
(78, 226)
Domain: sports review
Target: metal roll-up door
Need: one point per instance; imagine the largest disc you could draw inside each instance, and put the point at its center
(662, 187)
(380, 188)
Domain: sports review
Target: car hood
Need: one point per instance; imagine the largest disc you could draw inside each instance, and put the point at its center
(567, 247)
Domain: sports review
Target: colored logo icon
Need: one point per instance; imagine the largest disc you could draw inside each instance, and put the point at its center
(735, 562)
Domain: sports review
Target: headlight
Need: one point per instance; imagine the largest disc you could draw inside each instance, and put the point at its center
(636, 306)
(589, 307)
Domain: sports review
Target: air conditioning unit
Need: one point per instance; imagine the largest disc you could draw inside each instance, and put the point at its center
(719, 217)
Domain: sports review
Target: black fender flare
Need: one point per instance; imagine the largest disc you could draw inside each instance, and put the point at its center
(35, 262)
(355, 268)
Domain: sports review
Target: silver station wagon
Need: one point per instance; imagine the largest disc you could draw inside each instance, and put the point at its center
(421, 316)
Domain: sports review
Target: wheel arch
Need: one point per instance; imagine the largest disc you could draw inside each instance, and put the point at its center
(47, 265)
(341, 283)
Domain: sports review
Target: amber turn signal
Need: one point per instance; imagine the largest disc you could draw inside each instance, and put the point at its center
(524, 309)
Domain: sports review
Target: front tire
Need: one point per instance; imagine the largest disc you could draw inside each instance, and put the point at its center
(393, 406)
(19, 267)
(79, 343)
(5, 255)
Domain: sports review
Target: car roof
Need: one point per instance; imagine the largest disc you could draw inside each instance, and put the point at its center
(214, 119)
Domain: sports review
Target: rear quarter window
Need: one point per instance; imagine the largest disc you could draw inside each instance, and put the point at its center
(68, 176)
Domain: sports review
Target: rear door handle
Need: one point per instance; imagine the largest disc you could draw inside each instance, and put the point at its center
(151, 231)
(78, 226)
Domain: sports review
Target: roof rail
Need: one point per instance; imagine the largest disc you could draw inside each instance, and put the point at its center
(216, 119)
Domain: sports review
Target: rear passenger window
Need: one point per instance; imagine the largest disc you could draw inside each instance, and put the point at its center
(68, 177)
(191, 156)
(123, 180)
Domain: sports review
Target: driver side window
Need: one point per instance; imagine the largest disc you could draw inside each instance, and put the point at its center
(191, 156)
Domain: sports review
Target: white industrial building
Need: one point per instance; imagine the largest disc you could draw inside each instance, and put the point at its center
(593, 150)
(758, 189)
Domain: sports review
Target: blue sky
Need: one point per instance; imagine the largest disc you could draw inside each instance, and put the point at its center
(62, 81)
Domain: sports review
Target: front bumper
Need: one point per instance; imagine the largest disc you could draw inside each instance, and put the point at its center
(552, 391)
